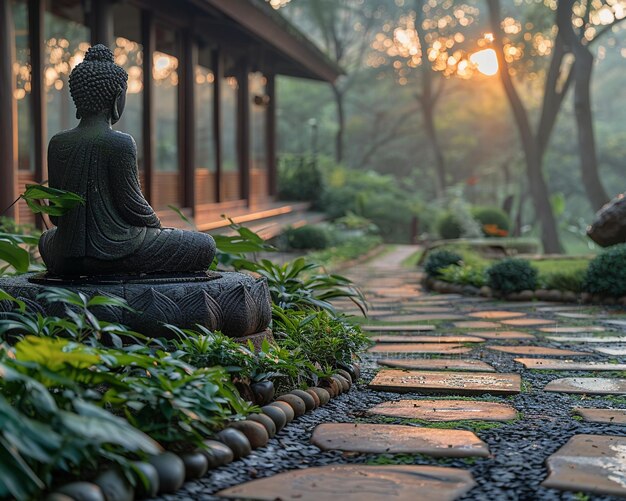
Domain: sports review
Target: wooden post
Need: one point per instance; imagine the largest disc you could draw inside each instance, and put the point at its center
(270, 136)
(8, 112)
(218, 71)
(36, 13)
(101, 20)
(148, 40)
(187, 122)
(243, 129)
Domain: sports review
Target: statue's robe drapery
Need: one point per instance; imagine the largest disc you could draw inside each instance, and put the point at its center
(116, 230)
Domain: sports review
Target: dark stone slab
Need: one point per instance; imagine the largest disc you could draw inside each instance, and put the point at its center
(589, 463)
(476, 383)
(234, 303)
(358, 483)
(397, 439)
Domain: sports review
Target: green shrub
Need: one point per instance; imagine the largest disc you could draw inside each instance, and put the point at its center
(606, 274)
(464, 275)
(439, 259)
(299, 178)
(512, 275)
(308, 237)
(448, 226)
(563, 281)
(494, 222)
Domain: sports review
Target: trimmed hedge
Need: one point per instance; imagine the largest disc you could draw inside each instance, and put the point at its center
(449, 227)
(308, 237)
(438, 260)
(606, 274)
(494, 222)
(512, 275)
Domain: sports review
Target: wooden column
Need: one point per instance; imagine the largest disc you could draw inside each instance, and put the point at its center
(218, 72)
(36, 14)
(270, 136)
(187, 120)
(8, 112)
(148, 41)
(101, 21)
(243, 129)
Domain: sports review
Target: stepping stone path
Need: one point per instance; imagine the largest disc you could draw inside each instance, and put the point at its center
(611, 416)
(358, 483)
(534, 411)
(438, 348)
(438, 364)
(568, 365)
(446, 410)
(476, 383)
(588, 385)
(398, 439)
(590, 463)
(537, 350)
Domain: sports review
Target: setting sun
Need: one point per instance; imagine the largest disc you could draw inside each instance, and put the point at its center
(485, 61)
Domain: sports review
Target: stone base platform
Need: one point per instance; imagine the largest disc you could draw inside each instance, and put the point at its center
(235, 304)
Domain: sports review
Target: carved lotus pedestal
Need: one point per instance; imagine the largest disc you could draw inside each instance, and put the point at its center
(236, 304)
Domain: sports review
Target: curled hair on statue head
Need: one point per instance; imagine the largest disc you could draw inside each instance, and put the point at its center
(97, 82)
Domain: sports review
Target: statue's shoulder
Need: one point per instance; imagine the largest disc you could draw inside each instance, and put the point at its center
(61, 138)
(125, 142)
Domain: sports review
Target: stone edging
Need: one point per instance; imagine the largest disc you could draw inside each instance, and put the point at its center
(169, 471)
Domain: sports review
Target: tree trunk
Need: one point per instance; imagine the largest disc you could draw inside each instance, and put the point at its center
(582, 107)
(341, 120)
(428, 114)
(532, 154)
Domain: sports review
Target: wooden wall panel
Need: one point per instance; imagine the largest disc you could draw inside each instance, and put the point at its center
(24, 214)
(166, 190)
(204, 186)
(231, 186)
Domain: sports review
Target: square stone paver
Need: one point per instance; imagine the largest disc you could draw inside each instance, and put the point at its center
(442, 348)
(568, 365)
(590, 463)
(588, 339)
(610, 416)
(427, 339)
(457, 383)
(528, 322)
(398, 328)
(616, 351)
(564, 329)
(476, 324)
(397, 439)
(588, 385)
(438, 364)
(496, 314)
(537, 350)
(505, 335)
(358, 483)
(446, 410)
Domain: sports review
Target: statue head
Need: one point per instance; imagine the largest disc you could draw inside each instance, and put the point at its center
(98, 85)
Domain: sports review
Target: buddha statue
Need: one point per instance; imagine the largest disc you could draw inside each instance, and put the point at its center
(115, 231)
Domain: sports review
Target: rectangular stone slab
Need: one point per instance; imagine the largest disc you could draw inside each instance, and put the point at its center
(358, 483)
(505, 335)
(398, 328)
(588, 339)
(564, 329)
(616, 351)
(476, 324)
(427, 339)
(588, 385)
(456, 383)
(568, 365)
(589, 463)
(412, 310)
(496, 314)
(610, 416)
(443, 348)
(445, 410)
(439, 364)
(528, 322)
(420, 317)
(537, 350)
(397, 439)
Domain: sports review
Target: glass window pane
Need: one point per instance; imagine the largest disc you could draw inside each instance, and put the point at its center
(258, 113)
(166, 162)
(66, 41)
(231, 189)
(204, 133)
(22, 71)
(129, 55)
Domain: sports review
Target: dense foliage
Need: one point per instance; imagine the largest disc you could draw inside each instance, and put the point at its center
(512, 275)
(448, 226)
(493, 221)
(438, 260)
(606, 274)
(308, 237)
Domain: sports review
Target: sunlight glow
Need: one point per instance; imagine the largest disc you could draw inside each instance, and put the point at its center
(485, 61)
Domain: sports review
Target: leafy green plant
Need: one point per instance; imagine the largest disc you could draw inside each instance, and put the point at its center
(464, 275)
(299, 178)
(606, 274)
(299, 284)
(308, 237)
(448, 226)
(512, 275)
(59, 201)
(440, 259)
(493, 221)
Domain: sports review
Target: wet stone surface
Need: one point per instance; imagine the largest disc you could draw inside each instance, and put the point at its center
(438, 364)
(446, 410)
(537, 350)
(427, 339)
(439, 348)
(609, 416)
(568, 365)
(588, 385)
